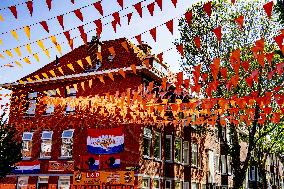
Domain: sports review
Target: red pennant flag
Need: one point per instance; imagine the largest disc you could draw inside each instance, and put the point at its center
(224, 73)
(245, 65)
(269, 57)
(67, 35)
(116, 17)
(48, 2)
(268, 8)
(207, 8)
(44, 25)
(150, 8)
(113, 23)
(170, 26)
(120, 2)
(180, 49)
(60, 20)
(99, 7)
(279, 40)
(159, 3)
(218, 32)
(270, 74)
(138, 8)
(240, 21)
(129, 15)
(99, 26)
(30, 6)
(13, 9)
(249, 81)
(83, 34)
(233, 1)
(79, 14)
(73, 1)
(197, 41)
(188, 16)
(160, 57)
(138, 38)
(174, 3)
(153, 33)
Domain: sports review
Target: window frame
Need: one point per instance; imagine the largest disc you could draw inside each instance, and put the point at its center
(217, 163)
(196, 183)
(160, 145)
(159, 183)
(147, 135)
(180, 150)
(171, 148)
(50, 93)
(192, 152)
(184, 184)
(64, 179)
(27, 142)
(31, 97)
(166, 184)
(45, 140)
(148, 181)
(71, 92)
(62, 143)
(184, 153)
(223, 165)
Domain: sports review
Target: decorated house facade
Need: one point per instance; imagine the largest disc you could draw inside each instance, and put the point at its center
(71, 146)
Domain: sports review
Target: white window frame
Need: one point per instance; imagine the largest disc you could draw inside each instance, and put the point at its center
(23, 181)
(185, 185)
(160, 146)
(159, 183)
(148, 181)
(217, 163)
(186, 152)
(43, 140)
(178, 161)
(223, 165)
(32, 101)
(171, 148)
(166, 184)
(66, 138)
(229, 165)
(27, 142)
(147, 134)
(195, 164)
(194, 183)
(61, 183)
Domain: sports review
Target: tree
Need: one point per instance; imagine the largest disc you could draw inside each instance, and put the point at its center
(243, 76)
(10, 148)
(280, 9)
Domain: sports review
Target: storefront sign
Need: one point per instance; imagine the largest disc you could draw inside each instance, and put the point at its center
(102, 177)
(61, 166)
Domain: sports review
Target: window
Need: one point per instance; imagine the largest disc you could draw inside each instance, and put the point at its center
(22, 182)
(217, 163)
(147, 137)
(168, 148)
(156, 183)
(194, 155)
(71, 93)
(67, 143)
(157, 146)
(186, 152)
(42, 182)
(177, 185)
(194, 185)
(31, 106)
(27, 144)
(46, 143)
(64, 183)
(178, 149)
(50, 107)
(168, 184)
(186, 185)
(110, 58)
(252, 173)
(145, 183)
(223, 164)
(203, 186)
(229, 162)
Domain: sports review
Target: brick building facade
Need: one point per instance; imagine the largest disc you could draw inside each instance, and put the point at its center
(55, 140)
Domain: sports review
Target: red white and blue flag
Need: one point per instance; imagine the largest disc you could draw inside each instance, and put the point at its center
(105, 141)
(27, 167)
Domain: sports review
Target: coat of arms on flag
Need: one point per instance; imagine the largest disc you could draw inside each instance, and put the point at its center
(105, 141)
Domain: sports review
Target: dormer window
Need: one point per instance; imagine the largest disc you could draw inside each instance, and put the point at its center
(31, 106)
(50, 107)
(71, 93)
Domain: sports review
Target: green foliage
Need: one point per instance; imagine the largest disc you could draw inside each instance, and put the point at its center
(10, 148)
(280, 9)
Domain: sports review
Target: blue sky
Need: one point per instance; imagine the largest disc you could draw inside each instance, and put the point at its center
(138, 25)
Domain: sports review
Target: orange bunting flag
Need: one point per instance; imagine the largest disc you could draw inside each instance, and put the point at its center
(52, 73)
(218, 32)
(124, 45)
(46, 53)
(19, 64)
(13, 9)
(138, 38)
(197, 41)
(268, 8)
(88, 59)
(188, 17)
(116, 17)
(8, 52)
(207, 8)
(8, 65)
(30, 7)
(159, 3)
(180, 49)
(240, 21)
(80, 63)
(101, 78)
(60, 20)
(26, 60)
(15, 35)
(27, 31)
(174, 3)
(70, 66)
(1, 56)
(129, 15)
(29, 49)
(138, 8)
(235, 57)
(99, 7)
(133, 67)
(153, 33)
(215, 68)
(60, 70)
(150, 8)
(40, 44)
(48, 3)
(83, 85)
(170, 26)
(110, 76)
(121, 72)
(36, 57)
(112, 51)
(17, 50)
(79, 14)
(160, 57)
(90, 83)
(44, 25)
